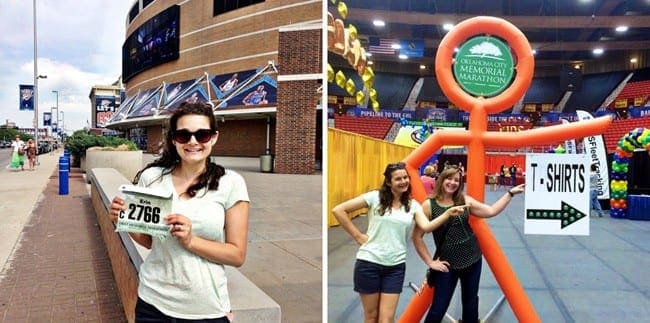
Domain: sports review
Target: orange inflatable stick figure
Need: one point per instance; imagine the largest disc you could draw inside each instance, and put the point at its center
(477, 138)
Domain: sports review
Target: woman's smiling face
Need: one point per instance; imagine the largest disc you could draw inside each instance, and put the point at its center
(193, 151)
(399, 181)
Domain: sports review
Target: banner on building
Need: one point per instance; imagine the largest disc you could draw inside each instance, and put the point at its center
(26, 97)
(104, 110)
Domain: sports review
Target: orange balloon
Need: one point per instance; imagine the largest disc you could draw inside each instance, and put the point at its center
(476, 138)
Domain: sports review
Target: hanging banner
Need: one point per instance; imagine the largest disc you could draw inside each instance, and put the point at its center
(26, 98)
(569, 144)
(47, 119)
(595, 148)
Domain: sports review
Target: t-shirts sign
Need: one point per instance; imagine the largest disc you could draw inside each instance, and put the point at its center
(557, 194)
(145, 211)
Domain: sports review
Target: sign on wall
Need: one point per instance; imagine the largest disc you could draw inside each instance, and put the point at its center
(557, 194)
(104, 110)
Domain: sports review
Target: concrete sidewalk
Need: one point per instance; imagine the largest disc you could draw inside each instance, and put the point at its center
(55, 264)
(597, 278)
(58, 269)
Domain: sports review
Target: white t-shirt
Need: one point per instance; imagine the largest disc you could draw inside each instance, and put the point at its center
(176, 281)
(16, 145)
(388, 233)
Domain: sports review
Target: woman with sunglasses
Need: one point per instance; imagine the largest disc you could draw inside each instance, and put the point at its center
(183, 277)
(458, 256)
(381, 260)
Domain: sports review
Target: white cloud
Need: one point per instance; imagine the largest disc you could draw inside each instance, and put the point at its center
(79, 46)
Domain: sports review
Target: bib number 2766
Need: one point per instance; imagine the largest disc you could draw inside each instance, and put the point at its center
(146, 213)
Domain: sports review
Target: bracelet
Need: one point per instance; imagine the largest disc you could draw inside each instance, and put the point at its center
(511, 194)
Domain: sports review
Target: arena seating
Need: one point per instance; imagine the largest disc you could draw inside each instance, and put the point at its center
(371, 127)
(620, 128)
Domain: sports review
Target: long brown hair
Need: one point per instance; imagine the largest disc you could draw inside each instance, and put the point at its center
(385, 193)
(169, 158)
(458, 197)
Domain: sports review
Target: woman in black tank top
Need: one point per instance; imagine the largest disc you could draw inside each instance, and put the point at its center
(458, 255)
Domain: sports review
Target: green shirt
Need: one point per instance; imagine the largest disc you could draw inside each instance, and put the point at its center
(387, 233)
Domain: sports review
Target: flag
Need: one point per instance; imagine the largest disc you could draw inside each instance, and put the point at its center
(378, 45)
(412, 47)
(595, 147)
(47, 119)
(26, 97)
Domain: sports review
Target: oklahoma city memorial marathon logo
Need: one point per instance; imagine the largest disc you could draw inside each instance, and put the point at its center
(483, 66)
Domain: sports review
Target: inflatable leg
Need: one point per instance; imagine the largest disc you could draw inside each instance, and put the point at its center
(418, 306)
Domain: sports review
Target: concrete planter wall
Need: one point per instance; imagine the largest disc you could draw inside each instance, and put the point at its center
(128, 163)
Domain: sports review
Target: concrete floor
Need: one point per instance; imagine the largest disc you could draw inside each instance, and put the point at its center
(597, 278)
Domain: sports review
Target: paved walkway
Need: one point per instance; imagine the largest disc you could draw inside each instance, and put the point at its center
(602, 277)
(56, 267)
(59, 269)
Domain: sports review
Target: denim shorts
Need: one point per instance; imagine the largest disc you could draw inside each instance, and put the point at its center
(371, 278)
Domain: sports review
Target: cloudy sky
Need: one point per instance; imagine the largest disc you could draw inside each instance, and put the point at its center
(79, 45)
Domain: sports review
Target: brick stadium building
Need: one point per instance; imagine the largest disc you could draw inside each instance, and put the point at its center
(182, 50)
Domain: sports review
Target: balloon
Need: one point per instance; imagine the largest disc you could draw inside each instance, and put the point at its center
(375, 105)
(360, 97)
(330, 73)
(368, 77)
(477, 137)
(340, 79)
(343, 9)
(349, 86)
(352, 32)
(373, 94)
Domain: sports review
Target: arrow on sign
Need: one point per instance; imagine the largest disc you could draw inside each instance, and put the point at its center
(567, 214)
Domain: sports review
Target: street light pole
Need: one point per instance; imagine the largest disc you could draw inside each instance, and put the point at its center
(36, 77)
(57, 107)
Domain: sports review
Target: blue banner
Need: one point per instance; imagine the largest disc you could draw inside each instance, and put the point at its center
(412, 47)
(26, 98)
(47, 119)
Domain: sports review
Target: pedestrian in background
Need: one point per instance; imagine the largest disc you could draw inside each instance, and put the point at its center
(17, 154)
(428, 180)
(593, 191)
(31, 153)
(184, 278)
(513, 174)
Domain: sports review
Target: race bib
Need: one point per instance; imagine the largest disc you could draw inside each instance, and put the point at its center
(145, 211)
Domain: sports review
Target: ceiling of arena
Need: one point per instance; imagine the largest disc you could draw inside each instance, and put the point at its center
(562, 32)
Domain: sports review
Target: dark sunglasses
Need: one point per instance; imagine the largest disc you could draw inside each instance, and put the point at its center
(183, 136)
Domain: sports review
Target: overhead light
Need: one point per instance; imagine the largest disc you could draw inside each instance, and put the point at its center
(577, 66)
(371, 62)
(447, 26)
(395, 46)
(402, 56)
(368, 54)
(621, 29)
(534, 52)
(598, 51)
(633, 60)
(378, 23)
(423, 67)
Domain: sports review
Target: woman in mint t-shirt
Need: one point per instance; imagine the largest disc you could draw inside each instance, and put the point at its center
(381, 259)
(184, 278)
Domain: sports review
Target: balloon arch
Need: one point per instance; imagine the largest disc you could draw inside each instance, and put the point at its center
(637, 138)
